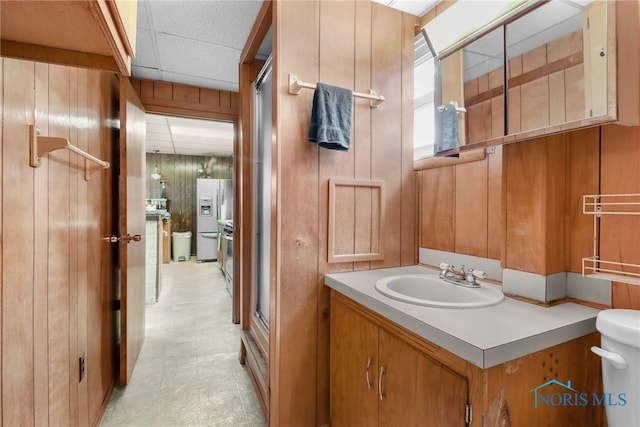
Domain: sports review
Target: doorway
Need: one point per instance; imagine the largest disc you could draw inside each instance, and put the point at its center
(190, 194)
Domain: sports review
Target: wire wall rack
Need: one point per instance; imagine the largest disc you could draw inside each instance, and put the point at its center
(600, 205)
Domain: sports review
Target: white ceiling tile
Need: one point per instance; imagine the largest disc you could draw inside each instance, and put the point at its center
(199, 81)
(196, 58)
(146, 73)
(156, 118)
(143, 21)
(145, 52)
(226, 23)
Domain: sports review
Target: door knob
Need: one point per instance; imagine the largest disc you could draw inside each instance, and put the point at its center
(124, 239)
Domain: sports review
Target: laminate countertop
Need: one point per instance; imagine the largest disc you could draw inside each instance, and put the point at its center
(486, 336)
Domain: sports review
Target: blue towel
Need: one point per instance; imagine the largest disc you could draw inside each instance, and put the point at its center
(450, 136)
(331, 117)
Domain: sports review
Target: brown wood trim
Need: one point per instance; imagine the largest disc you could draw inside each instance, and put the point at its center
(559, 65)
(258, 31)
(120, 27)
(483, 96)
(438, 162)
(626, 48)
(105, 21)
(189, 101)
(52, 55)
(373, 256)
(527, 77)
(258, 369)
(104, 404)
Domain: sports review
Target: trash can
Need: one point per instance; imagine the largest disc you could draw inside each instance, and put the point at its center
(181, 245)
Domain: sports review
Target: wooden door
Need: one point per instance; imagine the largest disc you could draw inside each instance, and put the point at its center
(132, 224)
(354, 348)
(417, 391)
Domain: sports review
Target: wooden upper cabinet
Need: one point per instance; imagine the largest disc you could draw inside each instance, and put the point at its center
(86, 33)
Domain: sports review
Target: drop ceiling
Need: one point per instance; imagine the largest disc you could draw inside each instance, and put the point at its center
(178, 135)
(198, 43)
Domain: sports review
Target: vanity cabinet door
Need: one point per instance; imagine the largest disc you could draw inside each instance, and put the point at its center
(417, 391)
(378, 379)
(354, 367)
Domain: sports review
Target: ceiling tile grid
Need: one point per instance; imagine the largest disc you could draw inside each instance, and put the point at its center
(177, 135)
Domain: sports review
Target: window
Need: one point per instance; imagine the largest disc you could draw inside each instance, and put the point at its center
(423, 100)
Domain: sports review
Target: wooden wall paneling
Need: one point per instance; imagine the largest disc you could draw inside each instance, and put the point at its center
(557, 98)
(479, 126)
(625, 296)
(185, 100)
(495, 207)
(82, 121)
(386, 123)
(574, 94)
(293, 322)
(40, 266)
(336, 66)
(58, 256)
(437, 209)
(583, 158)
(362, 128)
(409, 206)
(555, 209)
(534, 104)
(17, 246)
(535, 208)
(514, 121)
(620, 174)
(471, 227)
(525, 205)
(1, 242)
(76, 174)
(497, 116)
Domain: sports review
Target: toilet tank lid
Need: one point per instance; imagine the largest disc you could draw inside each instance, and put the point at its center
(620, 325)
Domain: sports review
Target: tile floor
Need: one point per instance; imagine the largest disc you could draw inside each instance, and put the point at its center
(188, 373)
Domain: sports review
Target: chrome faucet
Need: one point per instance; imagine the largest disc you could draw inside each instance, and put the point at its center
(463, 277)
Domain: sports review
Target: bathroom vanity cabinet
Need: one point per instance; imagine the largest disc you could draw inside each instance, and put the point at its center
(384, 375)
(379, 379)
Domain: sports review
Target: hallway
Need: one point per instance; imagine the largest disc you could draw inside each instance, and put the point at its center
(188, 373)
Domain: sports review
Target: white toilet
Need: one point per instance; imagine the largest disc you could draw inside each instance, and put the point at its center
(620, 355)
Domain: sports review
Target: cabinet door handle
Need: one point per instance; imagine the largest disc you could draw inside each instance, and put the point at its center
(369, 363)
(380, 392)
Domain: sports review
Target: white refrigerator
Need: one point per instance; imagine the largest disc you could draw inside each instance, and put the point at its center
(208, 206)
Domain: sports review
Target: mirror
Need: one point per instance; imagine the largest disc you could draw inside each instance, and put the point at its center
(470, 106)
(484, 86)
(556, 73)
(550, 61)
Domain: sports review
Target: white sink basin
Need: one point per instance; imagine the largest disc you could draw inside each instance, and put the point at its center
(430, 290)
